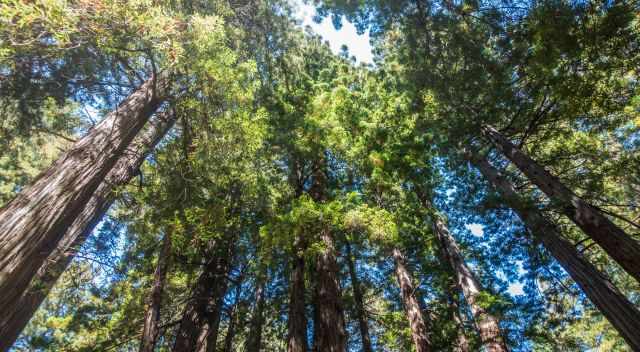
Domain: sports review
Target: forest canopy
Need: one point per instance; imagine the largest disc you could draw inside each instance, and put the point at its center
(208, 175)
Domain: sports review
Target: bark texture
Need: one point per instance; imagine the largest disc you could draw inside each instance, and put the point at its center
(198, 330)
(297, 324)
(419, 332)
(620, 312)
(33, 224)
(15, 317)
(487, 324)
(152, 315)
(329, 323)
(361, 314)
(619, 245)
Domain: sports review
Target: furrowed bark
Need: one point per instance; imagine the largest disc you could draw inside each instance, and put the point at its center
(254, 340)
(15, 317)
(297, 323)
(152, 316)
(33, 224)
(198, 330)
(619, 245)
(329, 324)
(419, 332)
(620, 312)
(488, 325)
(361, 314)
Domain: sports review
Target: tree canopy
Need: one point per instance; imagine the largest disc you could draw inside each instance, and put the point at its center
(209, 176)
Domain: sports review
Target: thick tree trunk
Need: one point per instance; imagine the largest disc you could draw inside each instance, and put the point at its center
(297, 324)
(361, 314)
(33, 224)
(487, 324)
(198, 329)
(329, 323)
(621, 313)
(15, 317)
(419, 332)
(152, 316)
(254, 340)
(620, 246)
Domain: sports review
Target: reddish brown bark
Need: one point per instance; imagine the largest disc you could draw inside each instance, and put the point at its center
(152, 315)
(329, 324)
(16, 317)
(619, 245)
(487, 324)
(297, 323)
(361, 314)
(621, 313)
(33, 224)
(419, 332)
(198, 330)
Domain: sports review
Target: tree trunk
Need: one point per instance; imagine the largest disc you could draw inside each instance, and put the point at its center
(198, 329)
(487, 324)
(233, 318)
(361, 314)
(33, 224)
(329, 323)
(15, 317)
(254, 340)
(620, 246)
(152, 316)
(462, 343)
(297, 324)
(621, 313)
(416, 320)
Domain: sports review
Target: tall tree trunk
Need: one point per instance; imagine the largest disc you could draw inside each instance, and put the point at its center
(152, 316)
(329, 324)
(462, 343)
(198, 329)
(419, 332)
(33, 224)
(621, 313)
(233, 318)
(487, 324)
(16, 316)
(297, 320)
(254, 340)
(361, 314)
(620, 246)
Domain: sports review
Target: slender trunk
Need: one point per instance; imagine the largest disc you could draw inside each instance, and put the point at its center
(462, 343)
(621, 313)
(487, 324)
(619, 245)
(198, 329)
(297, 324)
(254, 340)
(16, 316)
(419, 332)
(152, 316)
(329, 324)
(361, 314)
(33, 224)
(233, 317)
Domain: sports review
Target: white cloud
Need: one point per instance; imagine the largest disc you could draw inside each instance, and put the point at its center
(476, 229)
(359, 45)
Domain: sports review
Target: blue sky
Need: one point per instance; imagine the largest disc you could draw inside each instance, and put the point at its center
(359, 45)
